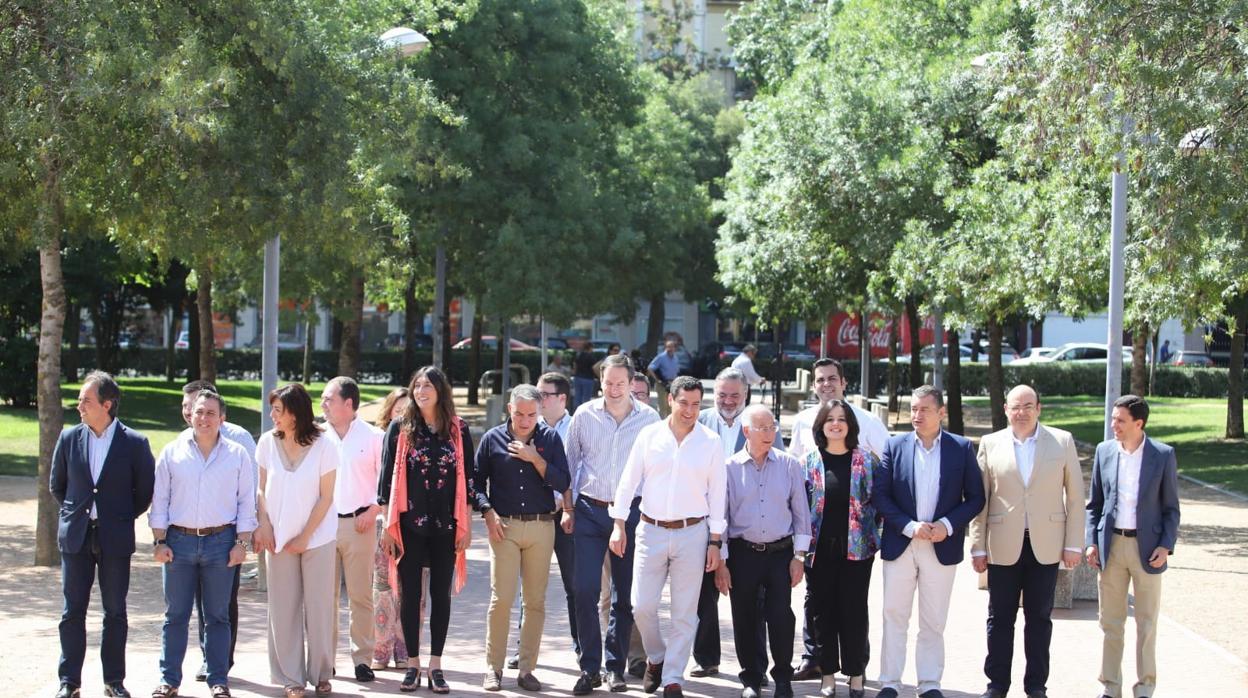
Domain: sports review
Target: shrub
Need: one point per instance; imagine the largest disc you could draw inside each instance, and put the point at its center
(19, 357)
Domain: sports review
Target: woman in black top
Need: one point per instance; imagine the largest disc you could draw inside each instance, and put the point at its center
(845, 538)
(426, 501)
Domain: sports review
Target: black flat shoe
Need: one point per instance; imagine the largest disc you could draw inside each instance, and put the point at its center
(584, 685)
(411, 681)
(67, 690)
(116, 690)
(363, 673)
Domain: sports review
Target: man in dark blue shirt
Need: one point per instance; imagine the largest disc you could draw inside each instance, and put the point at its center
(520, 465)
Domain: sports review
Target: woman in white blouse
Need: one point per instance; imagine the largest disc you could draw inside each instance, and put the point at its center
(297, 470)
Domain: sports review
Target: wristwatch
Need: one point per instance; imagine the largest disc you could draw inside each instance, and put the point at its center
(799, 555)
(244, 544)
(158, 542)
(716, 543)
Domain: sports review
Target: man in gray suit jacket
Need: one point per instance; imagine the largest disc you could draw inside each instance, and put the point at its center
(1132, 525)
(731, 393)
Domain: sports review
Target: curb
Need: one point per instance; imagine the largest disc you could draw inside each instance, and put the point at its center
(1215, 488)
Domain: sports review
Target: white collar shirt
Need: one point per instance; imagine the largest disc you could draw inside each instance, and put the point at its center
(926, 477)
(1025, 459)
(97, 453)
(359, 465)
(678, 480)
(728, 434)
(1128, 486)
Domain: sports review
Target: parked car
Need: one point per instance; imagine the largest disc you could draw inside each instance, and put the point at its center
(713, 355)
(394, 340)
(490, 342)
(1080, 352)
(1035, 351)
(183, 341)
(1184, 357)
(1008, 353)
(792, 352)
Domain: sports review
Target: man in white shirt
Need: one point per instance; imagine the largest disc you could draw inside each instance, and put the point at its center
(1132, 526)
(680, 466)
(1034, 486)
(745, 364)
(358, 448)
(829, 384)
(242, 437)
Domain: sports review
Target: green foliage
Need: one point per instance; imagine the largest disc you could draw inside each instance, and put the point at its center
(17, 380)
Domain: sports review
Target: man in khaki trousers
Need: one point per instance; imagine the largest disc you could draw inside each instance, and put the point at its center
(1034, 486)
(1132, 526)
(519, 467)
(357, 445)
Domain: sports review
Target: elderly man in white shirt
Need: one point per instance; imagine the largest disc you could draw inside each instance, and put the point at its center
(745, 364)
(679, 464)
(357, 445)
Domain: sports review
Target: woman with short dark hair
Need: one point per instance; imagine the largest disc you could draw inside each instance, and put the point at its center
(845, 535)
(297, 472)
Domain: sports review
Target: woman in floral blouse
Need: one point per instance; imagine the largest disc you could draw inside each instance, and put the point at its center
(424, 490)
(845, 537)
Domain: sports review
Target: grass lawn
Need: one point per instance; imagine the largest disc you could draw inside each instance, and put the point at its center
(1193, 426)
(150, 405)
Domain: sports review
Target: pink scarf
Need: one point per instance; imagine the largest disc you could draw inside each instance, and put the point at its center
(398, 505)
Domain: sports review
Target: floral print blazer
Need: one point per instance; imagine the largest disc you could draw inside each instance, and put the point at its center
(864, 520)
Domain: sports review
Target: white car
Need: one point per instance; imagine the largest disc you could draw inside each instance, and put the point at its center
(1078, 352)
(1036, 351)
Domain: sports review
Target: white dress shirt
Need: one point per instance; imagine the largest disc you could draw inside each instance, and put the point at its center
(745, 365)
(678, 480)
(561, 428)
(1025, 459)
(1128, 485)
(359, 465)
(97, 452)
(926, 484)
(728, 434)
(872, 434)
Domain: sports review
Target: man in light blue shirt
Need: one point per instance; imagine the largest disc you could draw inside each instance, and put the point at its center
(203, 514)
(663, 369)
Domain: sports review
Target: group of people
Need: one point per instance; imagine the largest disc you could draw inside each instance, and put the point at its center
(706, 502)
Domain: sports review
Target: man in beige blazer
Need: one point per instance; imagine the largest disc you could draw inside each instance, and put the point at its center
(1032, 521)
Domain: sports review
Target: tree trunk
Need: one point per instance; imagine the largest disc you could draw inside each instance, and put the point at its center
(349, 351)
(976, 336)
(192, 337)
(207, 338)
(1139, 360)
(996, 376)
(171, 355)
(411, 325)
(654, 328)
(73, 327)
(1235, 372)
(474, 359)
(916, 363)
(894, 337)
(307, 345)
(953, 384)
(48, 376)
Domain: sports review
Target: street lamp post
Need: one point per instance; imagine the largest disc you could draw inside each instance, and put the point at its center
(1117, 282)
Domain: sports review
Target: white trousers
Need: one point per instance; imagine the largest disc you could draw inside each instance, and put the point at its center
(678, 555)
(915, 569)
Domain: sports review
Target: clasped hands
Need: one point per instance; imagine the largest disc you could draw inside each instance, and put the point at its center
(934, 532)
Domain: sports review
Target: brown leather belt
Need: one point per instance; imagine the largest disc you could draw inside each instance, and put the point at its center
(679, 523)
(200, 532)
(597, 502)
(530, 517)
(785, 543)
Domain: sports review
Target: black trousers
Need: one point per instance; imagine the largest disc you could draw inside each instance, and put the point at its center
(811, 647)
(706, 651)
(78, 573)
(437, 553)
(840, 589)
(1036, 582)
(754, 573)
(199, 613)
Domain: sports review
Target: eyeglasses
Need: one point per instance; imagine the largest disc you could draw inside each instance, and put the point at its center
(546, 394)
(764, 430)
(1020, 409)
(641, 394)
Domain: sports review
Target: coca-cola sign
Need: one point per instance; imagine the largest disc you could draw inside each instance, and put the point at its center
(844, 335)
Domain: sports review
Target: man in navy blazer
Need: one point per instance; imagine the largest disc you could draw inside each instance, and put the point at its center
(102, 476)
(1132, 526)
(928, 488)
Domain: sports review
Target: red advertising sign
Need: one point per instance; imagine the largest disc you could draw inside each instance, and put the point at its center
(843, 336)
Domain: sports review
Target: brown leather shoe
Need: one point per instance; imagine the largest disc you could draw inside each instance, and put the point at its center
(808, 671)
(672, 690)
(653, 678)
(528, 682)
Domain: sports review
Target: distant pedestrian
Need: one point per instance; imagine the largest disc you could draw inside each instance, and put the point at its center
(745, 364)
(584, 377)
(1166, 352)
(663, 369)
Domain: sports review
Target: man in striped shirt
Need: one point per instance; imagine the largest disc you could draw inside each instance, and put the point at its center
(599, 440)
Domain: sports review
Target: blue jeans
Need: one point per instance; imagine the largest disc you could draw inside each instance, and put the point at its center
(199, 562)
(590, 537)
(583, 391)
